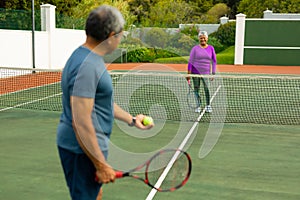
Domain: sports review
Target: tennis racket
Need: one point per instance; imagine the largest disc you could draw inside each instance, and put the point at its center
(166, 171)
(192, 99)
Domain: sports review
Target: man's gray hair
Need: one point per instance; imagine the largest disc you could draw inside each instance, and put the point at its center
(102, 21)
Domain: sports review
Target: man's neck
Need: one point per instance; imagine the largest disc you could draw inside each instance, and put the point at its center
(94, 46)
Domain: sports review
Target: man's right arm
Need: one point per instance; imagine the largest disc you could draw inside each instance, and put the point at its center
(86, 137)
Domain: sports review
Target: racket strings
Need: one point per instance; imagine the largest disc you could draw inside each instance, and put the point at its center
(176, 175)
(193, 98)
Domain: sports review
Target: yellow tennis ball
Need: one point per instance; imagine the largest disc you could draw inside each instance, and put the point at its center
(147, 121)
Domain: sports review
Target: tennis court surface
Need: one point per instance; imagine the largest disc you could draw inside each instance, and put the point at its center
(255, 157)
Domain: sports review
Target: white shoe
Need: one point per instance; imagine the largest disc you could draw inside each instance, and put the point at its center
(198, 110)
(208, 109)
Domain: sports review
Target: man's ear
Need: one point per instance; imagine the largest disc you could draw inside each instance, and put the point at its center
(111, 34)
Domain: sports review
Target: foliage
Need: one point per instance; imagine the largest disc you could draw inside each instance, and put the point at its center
(226, 56)
(168, 13)
(225, 34)
(64, 21)
(129, 40)
(208, 19)
(232, 5)
(177, 51)
(202, 6)
(156, 37)
(173, 60)
(219, 10)
(159, 44)
(216, 44)
(140, 9)
(62, 6)
(138, 54)
(164, 53)
(214, 13)
(83, 9)
(146, 54)
(18, 19)
(164, 13)
(186, 43)
(190, 31)
(255, 8)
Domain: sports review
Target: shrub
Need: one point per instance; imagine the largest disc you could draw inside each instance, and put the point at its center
(226, 56)
(164, 53)
(156, 37)
(190, 31)
(216, 44)
(173, 60)
(225, 34)
(129, 40)
(138, 54)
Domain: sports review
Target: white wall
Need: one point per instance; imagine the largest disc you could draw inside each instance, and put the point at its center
(51, 50)
(15, 48)
(52, 46)
(268, 14)
(64, 42)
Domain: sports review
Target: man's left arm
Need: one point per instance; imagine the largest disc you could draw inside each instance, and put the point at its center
(124, 116)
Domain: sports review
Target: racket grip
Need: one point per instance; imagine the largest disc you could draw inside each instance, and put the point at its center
(119, 174)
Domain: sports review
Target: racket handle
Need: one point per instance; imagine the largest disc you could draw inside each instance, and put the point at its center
(119, 174)
(189, 81)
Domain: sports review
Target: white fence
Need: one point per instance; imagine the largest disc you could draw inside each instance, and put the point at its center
(51, 50)
(52, 46)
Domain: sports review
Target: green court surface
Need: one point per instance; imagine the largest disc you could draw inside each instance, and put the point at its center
(249, 162)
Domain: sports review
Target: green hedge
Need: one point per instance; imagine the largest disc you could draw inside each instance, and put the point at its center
(225, 34)
(224, 57)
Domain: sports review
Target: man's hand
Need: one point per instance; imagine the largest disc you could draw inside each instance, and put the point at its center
(139, 122)
(105, 174)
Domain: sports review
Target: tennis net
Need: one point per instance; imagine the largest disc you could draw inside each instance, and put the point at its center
(163, 95)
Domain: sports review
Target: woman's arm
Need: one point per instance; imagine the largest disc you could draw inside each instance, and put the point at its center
(214, 61)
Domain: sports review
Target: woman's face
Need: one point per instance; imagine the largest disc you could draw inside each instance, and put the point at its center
(203, 39)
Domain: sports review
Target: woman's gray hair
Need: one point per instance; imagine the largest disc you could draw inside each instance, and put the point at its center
(203, 33)
(102, 21)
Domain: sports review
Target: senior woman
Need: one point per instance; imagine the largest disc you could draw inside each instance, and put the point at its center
(202, 61)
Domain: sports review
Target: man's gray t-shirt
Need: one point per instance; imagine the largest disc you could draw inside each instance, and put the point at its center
(85, 75)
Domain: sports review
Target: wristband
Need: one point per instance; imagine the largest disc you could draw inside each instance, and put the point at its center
(132, 122)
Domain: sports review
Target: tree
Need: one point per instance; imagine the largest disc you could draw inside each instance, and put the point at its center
(233, 5)
(169, 13)
(82, 10)
(62, 6)
(141, 9)
(255, 8)
(201, 6)
(218, 10)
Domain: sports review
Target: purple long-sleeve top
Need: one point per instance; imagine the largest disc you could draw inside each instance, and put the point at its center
(202, 60)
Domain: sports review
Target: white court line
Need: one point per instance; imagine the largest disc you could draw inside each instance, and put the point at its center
(29, 102)
(183, 143)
